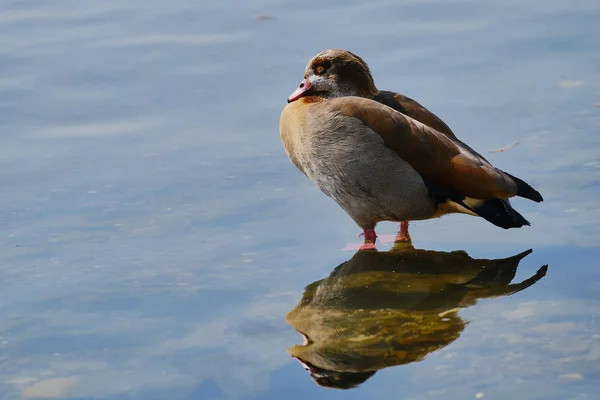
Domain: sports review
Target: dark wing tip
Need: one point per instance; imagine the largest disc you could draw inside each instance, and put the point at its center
(525, 190)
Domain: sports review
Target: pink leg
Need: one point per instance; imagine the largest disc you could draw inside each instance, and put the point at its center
(403, 235)
(370, 238)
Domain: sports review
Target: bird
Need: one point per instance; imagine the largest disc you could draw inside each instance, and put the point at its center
(382, 156)
(381, 309)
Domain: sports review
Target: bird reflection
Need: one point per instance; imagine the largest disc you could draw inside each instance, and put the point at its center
(381, 309)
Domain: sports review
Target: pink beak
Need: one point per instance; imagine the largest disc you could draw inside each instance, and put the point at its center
(300, 91)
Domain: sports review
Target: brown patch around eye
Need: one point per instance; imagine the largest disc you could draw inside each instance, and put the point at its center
(320, 65)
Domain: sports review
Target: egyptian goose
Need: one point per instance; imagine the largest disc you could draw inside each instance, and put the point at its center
(381, 309)
(383, 157)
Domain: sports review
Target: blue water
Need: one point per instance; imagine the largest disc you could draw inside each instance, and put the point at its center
(154, 235)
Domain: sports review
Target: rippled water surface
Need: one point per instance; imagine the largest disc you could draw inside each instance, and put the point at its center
(158, 244)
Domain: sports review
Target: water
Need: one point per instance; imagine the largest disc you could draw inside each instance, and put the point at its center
(154, 235)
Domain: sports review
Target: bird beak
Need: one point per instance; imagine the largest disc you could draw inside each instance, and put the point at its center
(304, 87)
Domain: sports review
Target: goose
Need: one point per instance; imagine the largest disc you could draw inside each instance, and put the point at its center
(381, 156)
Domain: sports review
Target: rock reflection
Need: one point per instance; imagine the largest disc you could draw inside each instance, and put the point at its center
(381, 309)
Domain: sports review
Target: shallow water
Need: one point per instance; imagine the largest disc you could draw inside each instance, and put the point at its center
(154, 235)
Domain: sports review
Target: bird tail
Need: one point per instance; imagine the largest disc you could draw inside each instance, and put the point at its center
(497, 211)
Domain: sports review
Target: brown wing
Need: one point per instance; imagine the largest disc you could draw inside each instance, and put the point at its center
(439, 159)
(410, 107)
